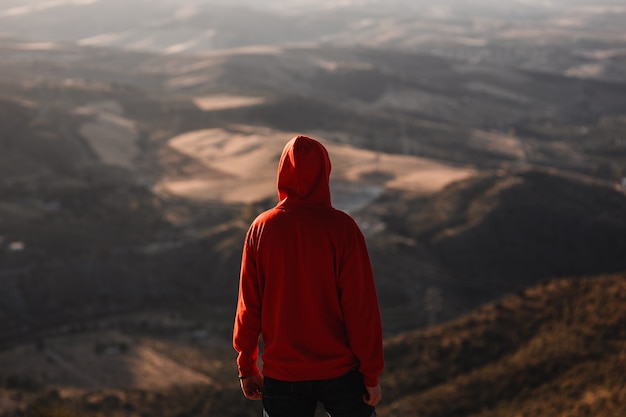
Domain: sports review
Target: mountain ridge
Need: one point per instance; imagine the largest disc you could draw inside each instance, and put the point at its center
(549, 349)
(556, 348)
(518, 112)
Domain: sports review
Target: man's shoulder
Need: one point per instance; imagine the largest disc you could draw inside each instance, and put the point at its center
(328, 213)
(343, 216)
(266, 215)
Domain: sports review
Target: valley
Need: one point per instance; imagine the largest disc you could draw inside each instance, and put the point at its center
(481, 149)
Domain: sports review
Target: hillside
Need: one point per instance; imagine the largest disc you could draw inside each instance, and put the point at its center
(575, 38)
(554, 349)
(467, 113)
(479, 144)
(493, 234)
(536, 223)
(122, 166)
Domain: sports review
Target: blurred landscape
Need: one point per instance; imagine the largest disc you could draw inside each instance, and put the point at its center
(480, 145)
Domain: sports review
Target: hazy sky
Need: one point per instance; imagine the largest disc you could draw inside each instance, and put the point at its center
(198, 25)
(21, 7)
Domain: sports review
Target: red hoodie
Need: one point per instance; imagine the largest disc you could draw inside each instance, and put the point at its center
(306, 282)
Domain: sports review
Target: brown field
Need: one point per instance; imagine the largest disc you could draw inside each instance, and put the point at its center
(111, 136)
(223, 101)
(108, 359)
(241, 166)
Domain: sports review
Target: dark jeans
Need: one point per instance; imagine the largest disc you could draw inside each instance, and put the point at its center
(341, 397)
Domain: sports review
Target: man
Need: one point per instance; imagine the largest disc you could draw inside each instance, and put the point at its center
(306, 286)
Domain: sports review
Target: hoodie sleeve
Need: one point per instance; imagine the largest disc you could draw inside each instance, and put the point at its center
(359, 303)
(247, 327)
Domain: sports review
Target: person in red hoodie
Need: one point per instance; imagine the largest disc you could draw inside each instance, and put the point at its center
(307, 288)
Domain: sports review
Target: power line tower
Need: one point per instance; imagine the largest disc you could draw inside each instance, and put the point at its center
(433, 304)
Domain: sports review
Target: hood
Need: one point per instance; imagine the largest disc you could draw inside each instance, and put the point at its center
(303, 174)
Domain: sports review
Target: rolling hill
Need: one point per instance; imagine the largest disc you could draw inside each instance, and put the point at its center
(496, 233)
(479, 146)
(114, 166)
(553, 349)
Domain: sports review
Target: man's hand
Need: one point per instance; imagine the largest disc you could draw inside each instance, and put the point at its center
(373, 395)
(252, 387)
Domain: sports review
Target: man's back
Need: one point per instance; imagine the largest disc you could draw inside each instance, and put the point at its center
(305, 259)
(306, 282)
